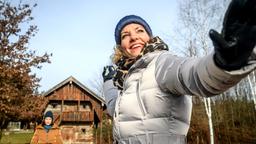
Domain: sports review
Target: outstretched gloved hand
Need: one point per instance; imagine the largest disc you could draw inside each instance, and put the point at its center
(108, 73)
(234, 45)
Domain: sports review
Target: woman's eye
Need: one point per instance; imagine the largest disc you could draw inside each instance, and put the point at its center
(123, 36)
(140, 30)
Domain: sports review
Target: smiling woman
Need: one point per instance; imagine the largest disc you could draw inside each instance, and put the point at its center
(134, 37)
(147, 91)
(131, 34)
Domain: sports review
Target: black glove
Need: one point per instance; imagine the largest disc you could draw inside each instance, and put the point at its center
(234, 45)
(108, 73)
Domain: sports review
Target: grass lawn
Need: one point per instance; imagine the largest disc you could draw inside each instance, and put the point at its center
(16, 138)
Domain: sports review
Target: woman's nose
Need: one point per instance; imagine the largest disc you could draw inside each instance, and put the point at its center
(134, 36)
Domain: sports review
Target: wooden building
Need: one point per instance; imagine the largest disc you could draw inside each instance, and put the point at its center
(77, 110)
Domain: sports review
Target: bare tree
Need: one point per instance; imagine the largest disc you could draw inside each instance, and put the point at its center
(96, 83)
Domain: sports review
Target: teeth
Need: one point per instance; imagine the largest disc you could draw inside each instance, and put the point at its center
(136, 45)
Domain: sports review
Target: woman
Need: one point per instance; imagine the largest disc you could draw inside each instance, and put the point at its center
(147, 91)
(47, 132)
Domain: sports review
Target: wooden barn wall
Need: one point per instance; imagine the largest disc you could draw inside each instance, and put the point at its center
(72, 92)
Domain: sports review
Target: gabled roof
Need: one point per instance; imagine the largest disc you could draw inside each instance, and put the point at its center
(73, 80)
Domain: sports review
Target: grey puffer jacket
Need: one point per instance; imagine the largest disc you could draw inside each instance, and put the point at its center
(153, 107)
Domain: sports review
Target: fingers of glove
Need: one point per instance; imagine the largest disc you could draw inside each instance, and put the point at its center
(240, 11)
(254, 13)
(218, 41)
(111, 69)
(246, 36)
(248, 12)
(250, 38)
(232, 12)
(105, 71)
(254, 33)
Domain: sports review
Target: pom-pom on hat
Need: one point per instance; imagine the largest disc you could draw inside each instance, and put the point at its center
(48, 114)
(128, 20)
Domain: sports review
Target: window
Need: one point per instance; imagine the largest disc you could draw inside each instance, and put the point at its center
(54, 105)
(83, 130)
(85, 106)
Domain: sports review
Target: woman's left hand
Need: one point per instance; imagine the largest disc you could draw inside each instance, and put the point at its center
(234, 45)
(108, 72)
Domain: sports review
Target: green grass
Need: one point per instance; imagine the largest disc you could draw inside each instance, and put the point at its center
(16, 138)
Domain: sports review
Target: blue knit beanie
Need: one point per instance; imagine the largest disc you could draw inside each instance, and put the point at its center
(128, 20)
(48, 114)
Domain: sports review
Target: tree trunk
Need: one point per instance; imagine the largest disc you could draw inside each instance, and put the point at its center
(252, 91)
(208, 109)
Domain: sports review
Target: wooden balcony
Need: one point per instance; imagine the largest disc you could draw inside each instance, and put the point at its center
(84, 116)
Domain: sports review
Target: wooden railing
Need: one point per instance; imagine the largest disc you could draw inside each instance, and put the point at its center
(84, 116)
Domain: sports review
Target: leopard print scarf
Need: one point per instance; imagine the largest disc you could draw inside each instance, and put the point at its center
(124, 64)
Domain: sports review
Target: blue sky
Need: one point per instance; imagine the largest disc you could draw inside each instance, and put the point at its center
(80, 34)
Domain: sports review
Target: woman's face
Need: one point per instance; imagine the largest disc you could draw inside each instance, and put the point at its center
(133, 39)
(48, 120)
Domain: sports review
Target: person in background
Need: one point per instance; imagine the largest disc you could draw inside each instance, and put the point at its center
(47, 132)
(147, 90)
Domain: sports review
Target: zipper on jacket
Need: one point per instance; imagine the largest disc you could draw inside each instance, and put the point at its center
(142, 107)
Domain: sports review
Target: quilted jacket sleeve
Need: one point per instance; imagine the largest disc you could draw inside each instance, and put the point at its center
(196, 76)
(110, 92)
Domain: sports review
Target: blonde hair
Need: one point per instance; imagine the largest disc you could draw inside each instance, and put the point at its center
(119, 53)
